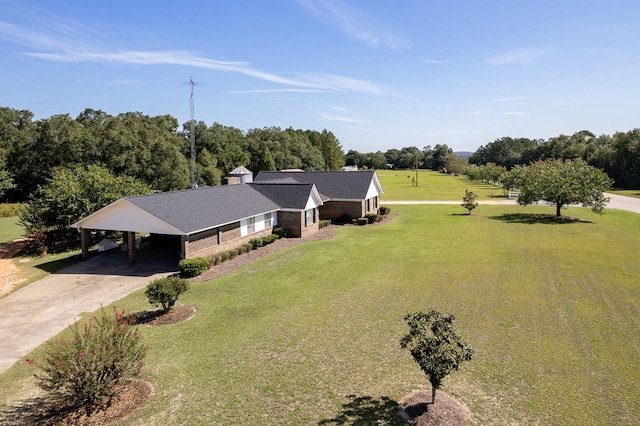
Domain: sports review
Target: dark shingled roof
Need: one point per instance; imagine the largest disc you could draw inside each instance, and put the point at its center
(203, 208)
(286, 195)
(334, 184)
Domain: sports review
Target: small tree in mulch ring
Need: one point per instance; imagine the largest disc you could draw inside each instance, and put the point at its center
(434, 345)
(165, 292)
(469, 200)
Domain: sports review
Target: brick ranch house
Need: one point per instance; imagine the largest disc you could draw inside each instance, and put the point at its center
(204, 221)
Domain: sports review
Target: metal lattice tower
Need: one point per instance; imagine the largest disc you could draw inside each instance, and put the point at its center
(192, 136)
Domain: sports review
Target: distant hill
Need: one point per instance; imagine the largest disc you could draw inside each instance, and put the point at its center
(464, 154)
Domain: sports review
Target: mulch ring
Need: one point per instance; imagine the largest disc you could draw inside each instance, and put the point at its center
(43, 411)
(418, 410)
(179, 313)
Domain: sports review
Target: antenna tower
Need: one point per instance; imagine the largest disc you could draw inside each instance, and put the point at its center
(192, 136)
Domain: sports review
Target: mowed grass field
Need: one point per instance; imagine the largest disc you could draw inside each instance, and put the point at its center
(432, 186)
(552, 309)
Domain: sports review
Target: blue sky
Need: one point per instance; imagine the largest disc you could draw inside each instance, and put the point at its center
(378, 74)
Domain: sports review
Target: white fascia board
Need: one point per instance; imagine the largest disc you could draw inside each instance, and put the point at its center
(122, 215)
(314, 199)
(291, 210)
(376, 182)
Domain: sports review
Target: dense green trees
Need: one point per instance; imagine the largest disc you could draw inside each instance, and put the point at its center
(560, 183)
(152, 150)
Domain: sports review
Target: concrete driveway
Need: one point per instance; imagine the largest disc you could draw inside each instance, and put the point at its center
(39, 311)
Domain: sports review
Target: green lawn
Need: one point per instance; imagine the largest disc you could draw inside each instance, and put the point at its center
(627, 192)
(9, 229)
(552, 309)
(432, 186)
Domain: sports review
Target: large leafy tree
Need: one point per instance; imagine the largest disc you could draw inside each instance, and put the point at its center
(72, 193)
(560, 183)
(435, 346)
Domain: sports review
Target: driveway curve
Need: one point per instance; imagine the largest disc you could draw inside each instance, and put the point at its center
(35, 313)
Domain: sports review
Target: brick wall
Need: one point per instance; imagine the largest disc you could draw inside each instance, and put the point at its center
(293, 222)
(334, 210)
(217, 240)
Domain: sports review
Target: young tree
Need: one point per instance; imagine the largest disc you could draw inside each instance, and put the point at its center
(469, 200)
(560, 183)
(435, 346)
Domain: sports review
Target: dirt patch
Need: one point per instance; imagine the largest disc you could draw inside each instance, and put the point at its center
(8, 270)
(446, 411)
(132, 393)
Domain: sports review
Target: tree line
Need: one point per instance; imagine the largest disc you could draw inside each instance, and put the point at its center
(154, 151)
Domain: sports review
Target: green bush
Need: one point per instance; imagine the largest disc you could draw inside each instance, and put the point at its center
(10, 209)
(268, 239)
(193, 267)
(165, 291)
(256, 243)
(87, 368)
(247, 247)
(384, 210)
(280, 232)
(324, 223)
(362, 221)
(371, 217)
(233, 253)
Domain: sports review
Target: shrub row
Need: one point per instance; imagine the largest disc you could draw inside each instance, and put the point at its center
(10, 209)
(324, 223)
(193, 267)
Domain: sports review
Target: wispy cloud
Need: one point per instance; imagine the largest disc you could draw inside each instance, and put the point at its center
(515, 98)
(515, 113)
(63, 49)
(338, 108)
(438, 61)
(331, 117)
(121, 82)
(253, 91)
(517, 56)
(355, 23)
(484, 112)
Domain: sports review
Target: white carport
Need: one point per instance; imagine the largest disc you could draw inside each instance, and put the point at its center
(126, 217)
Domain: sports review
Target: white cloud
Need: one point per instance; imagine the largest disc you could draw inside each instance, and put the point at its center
(518, 56)
(354, 23)
(122, 82)
(480, 112)
(277, 91)
(337, 108)
(515, 113)
(331, 117)
(515, 98)
(437, 61)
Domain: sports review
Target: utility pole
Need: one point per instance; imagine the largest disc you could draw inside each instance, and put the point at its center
(192, 136)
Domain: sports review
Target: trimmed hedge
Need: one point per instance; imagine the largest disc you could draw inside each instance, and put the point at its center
(193, 267)
(280, 232)
(371, 217)
(324, 223)
(362, 221)
(384, 210)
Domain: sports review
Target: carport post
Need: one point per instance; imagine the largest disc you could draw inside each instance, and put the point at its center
(131, 247)
(84, 243)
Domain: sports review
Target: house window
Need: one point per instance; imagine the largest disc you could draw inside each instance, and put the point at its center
(309, 217)
(267, 220)
(251, 225)
(369, 205)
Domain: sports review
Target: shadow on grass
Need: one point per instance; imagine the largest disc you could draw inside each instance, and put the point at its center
(537, 218)
(366, 410)
(40, 411)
